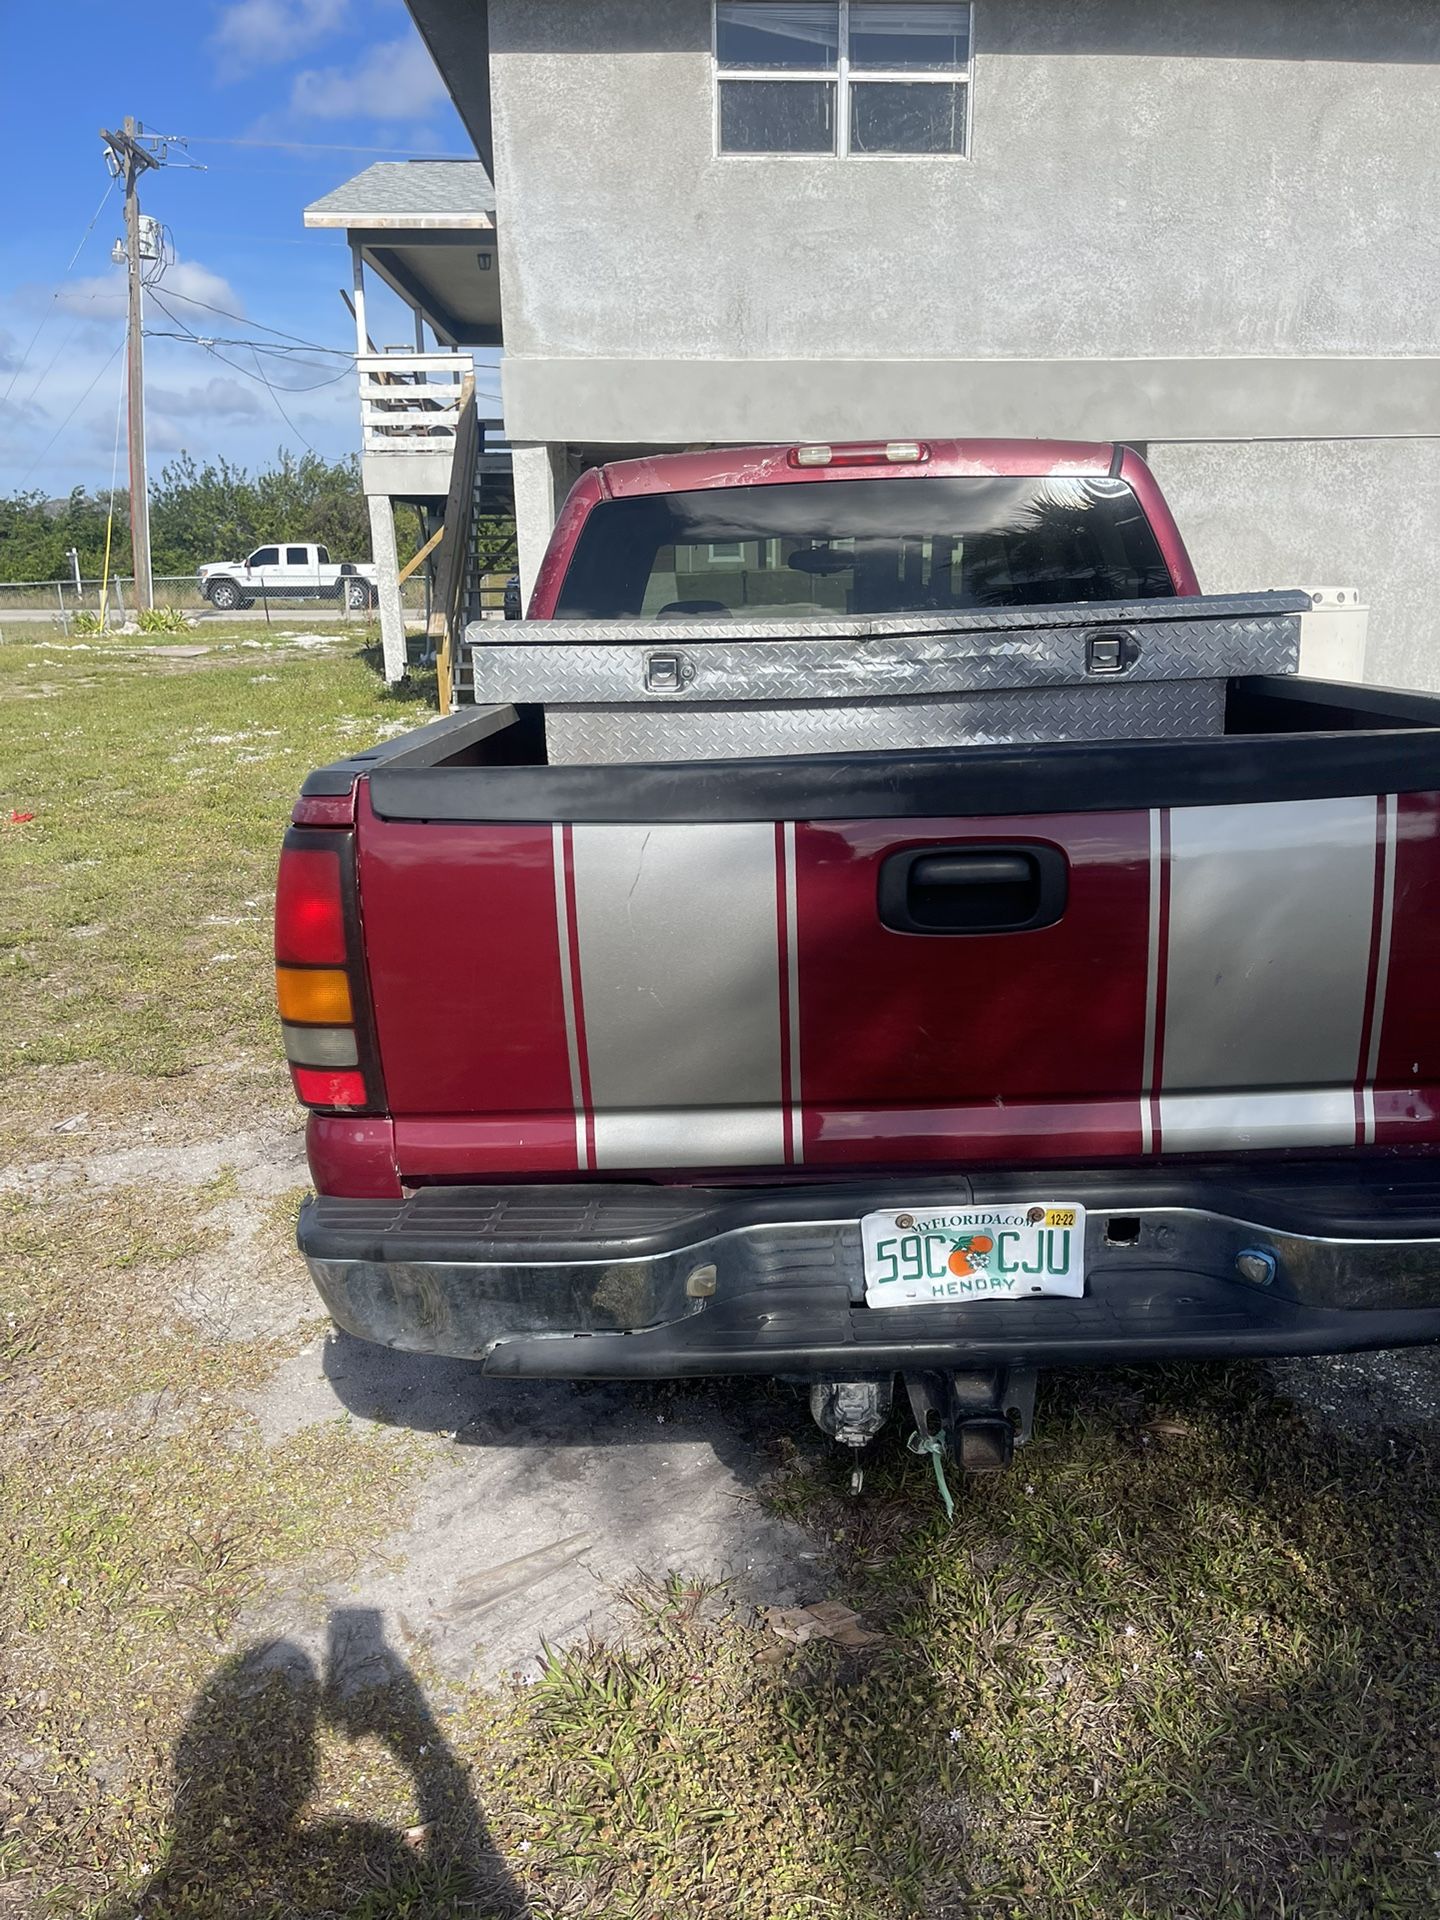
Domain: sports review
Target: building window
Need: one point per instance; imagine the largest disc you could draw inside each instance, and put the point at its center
(843, 77)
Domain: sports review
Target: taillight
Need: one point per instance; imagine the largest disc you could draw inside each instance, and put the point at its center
(310, 908)
(868, 453)
(319, 978)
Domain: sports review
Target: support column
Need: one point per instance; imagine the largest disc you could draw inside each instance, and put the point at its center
(387, 585)
(542, 479)
(357, 303)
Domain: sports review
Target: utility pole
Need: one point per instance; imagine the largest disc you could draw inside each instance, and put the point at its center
(130, 160)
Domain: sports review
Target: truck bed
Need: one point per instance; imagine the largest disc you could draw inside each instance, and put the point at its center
(1321, 738)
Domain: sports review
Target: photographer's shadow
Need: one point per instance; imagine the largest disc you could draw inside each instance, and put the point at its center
(247, 1763)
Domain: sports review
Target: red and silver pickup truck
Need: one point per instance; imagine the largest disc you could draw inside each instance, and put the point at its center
(939, 1045)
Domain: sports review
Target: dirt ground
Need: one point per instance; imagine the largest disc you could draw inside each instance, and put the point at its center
(538, 1502)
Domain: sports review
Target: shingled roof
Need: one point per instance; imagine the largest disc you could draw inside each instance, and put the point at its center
(409, 193)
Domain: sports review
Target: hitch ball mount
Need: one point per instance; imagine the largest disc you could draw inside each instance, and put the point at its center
(978, 1418)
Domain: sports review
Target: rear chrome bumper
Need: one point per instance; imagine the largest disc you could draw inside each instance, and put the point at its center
(615, 1282)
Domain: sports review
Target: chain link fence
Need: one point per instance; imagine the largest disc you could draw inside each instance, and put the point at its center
(60, 599)
(35, 601)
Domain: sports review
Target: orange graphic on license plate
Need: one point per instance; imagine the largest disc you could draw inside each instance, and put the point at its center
(971, 1255)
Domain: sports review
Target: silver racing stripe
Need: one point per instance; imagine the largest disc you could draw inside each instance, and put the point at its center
(680, 970)
(1386, 909)
(567, 995)
(1251, 1120)
(1267, 964)
(792, 997)
(1152, 977)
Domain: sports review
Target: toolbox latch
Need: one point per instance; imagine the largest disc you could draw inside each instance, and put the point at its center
(666, 672)
(1111, 651)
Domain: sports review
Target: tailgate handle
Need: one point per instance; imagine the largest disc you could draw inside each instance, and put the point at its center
(972, 870)
(973, 889)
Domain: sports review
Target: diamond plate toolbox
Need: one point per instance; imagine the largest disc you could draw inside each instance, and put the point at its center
(685, 689)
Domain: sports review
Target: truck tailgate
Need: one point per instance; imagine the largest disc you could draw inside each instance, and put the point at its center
(907, 986)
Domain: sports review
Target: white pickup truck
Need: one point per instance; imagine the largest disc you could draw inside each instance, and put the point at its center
(286, 572)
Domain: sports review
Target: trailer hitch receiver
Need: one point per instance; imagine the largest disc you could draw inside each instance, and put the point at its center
(979, 1418)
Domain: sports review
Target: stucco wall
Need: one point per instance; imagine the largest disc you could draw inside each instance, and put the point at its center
(1183, 223)
(1141, 185)
(1339, 514)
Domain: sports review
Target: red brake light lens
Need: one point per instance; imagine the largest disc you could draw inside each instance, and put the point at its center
(322, 1087)
(309, 909)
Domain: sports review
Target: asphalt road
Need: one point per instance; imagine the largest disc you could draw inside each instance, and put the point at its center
(284, 614)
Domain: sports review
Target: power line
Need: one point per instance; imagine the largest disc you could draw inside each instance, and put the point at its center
(225, 340)
(278, 408)
(45, 316)
(74, 410)
(210, 346)
(316, 146)
(48, 368)
(240, 319)
(211, 343)
(226, 361)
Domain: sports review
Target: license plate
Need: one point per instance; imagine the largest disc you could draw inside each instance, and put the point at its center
(934, 1255)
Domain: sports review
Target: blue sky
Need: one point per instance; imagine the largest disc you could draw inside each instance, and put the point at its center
(319, 83)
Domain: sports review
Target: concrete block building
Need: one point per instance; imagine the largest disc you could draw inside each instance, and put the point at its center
(1212, 231)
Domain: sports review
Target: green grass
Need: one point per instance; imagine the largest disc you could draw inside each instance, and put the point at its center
(135, 906)
(1181, 1663)
(1164, 1669)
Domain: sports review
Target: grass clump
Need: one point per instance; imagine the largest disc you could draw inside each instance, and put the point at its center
(162, 620)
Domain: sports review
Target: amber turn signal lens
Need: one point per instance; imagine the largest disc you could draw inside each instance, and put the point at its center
(314, 996)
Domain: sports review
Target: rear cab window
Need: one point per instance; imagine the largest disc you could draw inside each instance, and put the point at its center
(811, 549)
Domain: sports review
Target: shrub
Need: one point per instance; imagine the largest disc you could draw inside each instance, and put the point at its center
(161, 620)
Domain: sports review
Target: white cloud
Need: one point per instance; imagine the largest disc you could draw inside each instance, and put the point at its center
(102, 296)
(395, 80)
(220, 398)
(96, 296)
(187, 280)
(262, 33)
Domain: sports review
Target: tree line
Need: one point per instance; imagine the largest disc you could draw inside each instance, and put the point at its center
(213, 512)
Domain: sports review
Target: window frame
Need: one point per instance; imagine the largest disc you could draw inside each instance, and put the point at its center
(839, 76)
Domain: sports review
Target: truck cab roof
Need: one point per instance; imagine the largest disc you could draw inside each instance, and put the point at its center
(805, 460)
